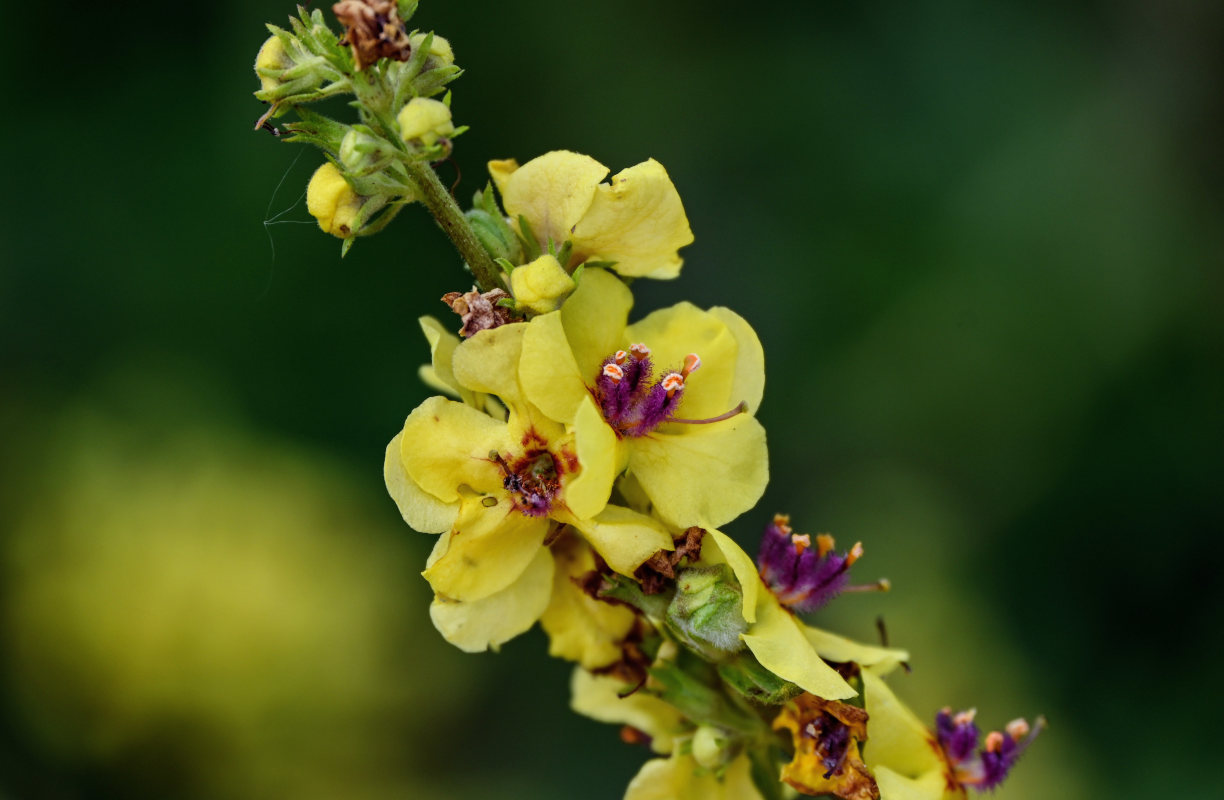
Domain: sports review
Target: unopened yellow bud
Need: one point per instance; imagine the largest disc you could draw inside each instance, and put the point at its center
(541, 285)
(425, 120)
(331, 201)
(271, 56)
(710, 747)
(439, 48)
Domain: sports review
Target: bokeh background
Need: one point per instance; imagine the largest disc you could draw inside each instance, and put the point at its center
(980, 242)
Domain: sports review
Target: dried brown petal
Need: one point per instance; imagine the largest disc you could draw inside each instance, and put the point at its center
(374, 30)
(661, 567)
(827, 735)
(479, 312)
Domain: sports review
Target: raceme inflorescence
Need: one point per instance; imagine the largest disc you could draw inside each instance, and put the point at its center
(577, 465)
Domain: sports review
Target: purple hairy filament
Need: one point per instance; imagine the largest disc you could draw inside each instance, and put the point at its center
(982, 768)
(801, 576)
(633, 403)
(832, 742)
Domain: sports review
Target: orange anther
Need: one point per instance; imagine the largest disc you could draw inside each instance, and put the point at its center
(673, 382)
(801, 541)
(614, 372)
(639, 350)
(1017, 729)
(691, 362)
(855, 553)
(620, 356)
(824, 543)
(994, 742)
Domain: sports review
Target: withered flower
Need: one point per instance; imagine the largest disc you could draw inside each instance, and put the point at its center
(374, 30)
(827, 735)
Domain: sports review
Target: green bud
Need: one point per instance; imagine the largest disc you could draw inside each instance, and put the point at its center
(712, 747)
(708, 611)
(363, 153)
(495, 235)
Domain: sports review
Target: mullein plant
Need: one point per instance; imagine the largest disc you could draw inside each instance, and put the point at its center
(576, 465)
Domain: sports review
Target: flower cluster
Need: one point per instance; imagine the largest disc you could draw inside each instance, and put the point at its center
(578, 459)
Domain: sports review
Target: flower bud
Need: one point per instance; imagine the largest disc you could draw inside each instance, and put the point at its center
(272, 60)
(362, 153)
(424, 120)
(439, 50)
(331, 201)
(708, 610)
(711, 747)
(541, 285)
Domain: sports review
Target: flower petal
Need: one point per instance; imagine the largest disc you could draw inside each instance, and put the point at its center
(552, 191)
(707, 476)
(781, 648)
(548, 372)
(422, 511)
(599, 459)
(898, 740)
(680, 778)
(494, 620)
(672, 333)
(442, 344)
(749, 382)
(624, 538)
(931, 786)
(598, 697)
(728, 551)
(486, 551)
(836, 648)
(637, 221)
(445, 445)
(594, 318)
(488, 362)
(579, 627)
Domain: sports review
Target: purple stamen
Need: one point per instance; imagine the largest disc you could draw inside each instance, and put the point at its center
(630, 402)
(803, 577)
(832, 742)
(986, 767)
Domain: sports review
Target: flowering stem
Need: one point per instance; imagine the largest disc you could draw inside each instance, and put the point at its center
(448, 214)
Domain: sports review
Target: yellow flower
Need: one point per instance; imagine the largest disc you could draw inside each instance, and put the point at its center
(583, 366)
(579, 627)
(331, 201)
(500, 488)
(425, 120)
(540, 285)
(637, 220)
(599, 697)
(682, 778)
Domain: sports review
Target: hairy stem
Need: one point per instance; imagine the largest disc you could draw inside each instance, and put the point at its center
(448, 214)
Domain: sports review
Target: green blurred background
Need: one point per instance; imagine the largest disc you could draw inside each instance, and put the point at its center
(980, 242)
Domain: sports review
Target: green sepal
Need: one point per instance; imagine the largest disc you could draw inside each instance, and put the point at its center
(531, 245)
(699, 702)
(317, 130)
(745, 675)
(627, 590)
(498, 243)
(406, 9)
